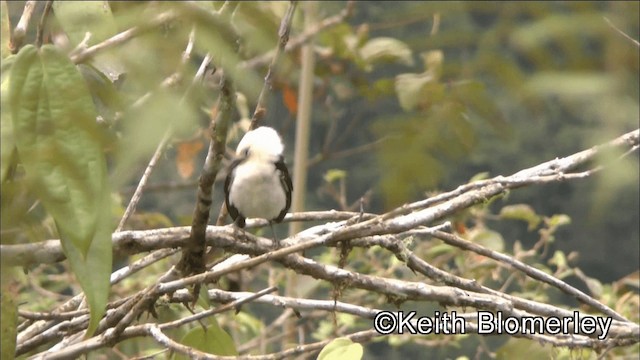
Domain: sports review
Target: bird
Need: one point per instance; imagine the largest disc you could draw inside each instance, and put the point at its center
(258, 184)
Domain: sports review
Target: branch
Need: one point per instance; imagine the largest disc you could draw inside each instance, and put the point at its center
(302, 38)
(18, 34)
(283, 33)
(625, 35)
(43, 21)
(137, 195)
(386, 230)
(131, 242)
(121, 38)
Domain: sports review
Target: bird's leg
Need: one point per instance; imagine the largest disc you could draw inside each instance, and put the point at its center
(276, 242)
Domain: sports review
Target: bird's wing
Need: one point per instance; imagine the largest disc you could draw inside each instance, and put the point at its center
(233, 211)
(287, 186)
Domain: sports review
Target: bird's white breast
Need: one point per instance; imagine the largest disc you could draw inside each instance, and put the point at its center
(256, 190)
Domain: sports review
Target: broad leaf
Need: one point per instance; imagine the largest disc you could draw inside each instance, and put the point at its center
(6, 125)
(60, 147)
(212, 339)
(522, 212)
(341, 348)
(386, 49)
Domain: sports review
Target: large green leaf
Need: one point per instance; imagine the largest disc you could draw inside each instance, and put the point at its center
(60, 147)
(7, 143)
(94, 271)
(341, 348)
(212, 339)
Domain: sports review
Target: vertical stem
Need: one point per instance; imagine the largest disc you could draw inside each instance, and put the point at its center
(301, 154)
(303, 121)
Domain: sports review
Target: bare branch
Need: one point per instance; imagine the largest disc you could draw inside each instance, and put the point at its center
(283, 33)
(625, 35)
(302, 39)
(18, 34)
(43, 21)
(123, 37)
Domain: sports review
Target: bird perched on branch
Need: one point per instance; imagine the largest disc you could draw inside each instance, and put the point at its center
(258, 184)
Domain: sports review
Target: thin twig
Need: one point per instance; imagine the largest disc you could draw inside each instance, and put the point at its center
(123, 37)
(283, 34)
(528, 270)
(303, 38)
(42, 23)
(137, 195)
(135, 198)
(18, 34)
(625, 35)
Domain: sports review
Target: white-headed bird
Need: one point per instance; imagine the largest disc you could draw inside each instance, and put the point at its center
(258, 184)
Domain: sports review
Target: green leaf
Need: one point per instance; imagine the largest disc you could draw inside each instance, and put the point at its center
(488, 238)
(522, 212)
(386, 49)
(60, 146)
(480, 176)
(212, 339)
(334, 174)
(6, 125)
(412, 89)
(341, 349)
(58, 141)
(559, 260)
(80, 17)
(203, 297)
(93, 271)
(558, 220)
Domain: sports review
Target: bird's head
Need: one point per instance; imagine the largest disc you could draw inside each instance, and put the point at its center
(261, 143)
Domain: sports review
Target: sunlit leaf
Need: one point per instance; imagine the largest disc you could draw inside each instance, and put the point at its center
(433, 61)
(488, 238)
(414, 89)
(386, 49)
(522, 212)
(559, 260)
(479, 176)
(558, 220)
(341, 348)
(334, 174)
